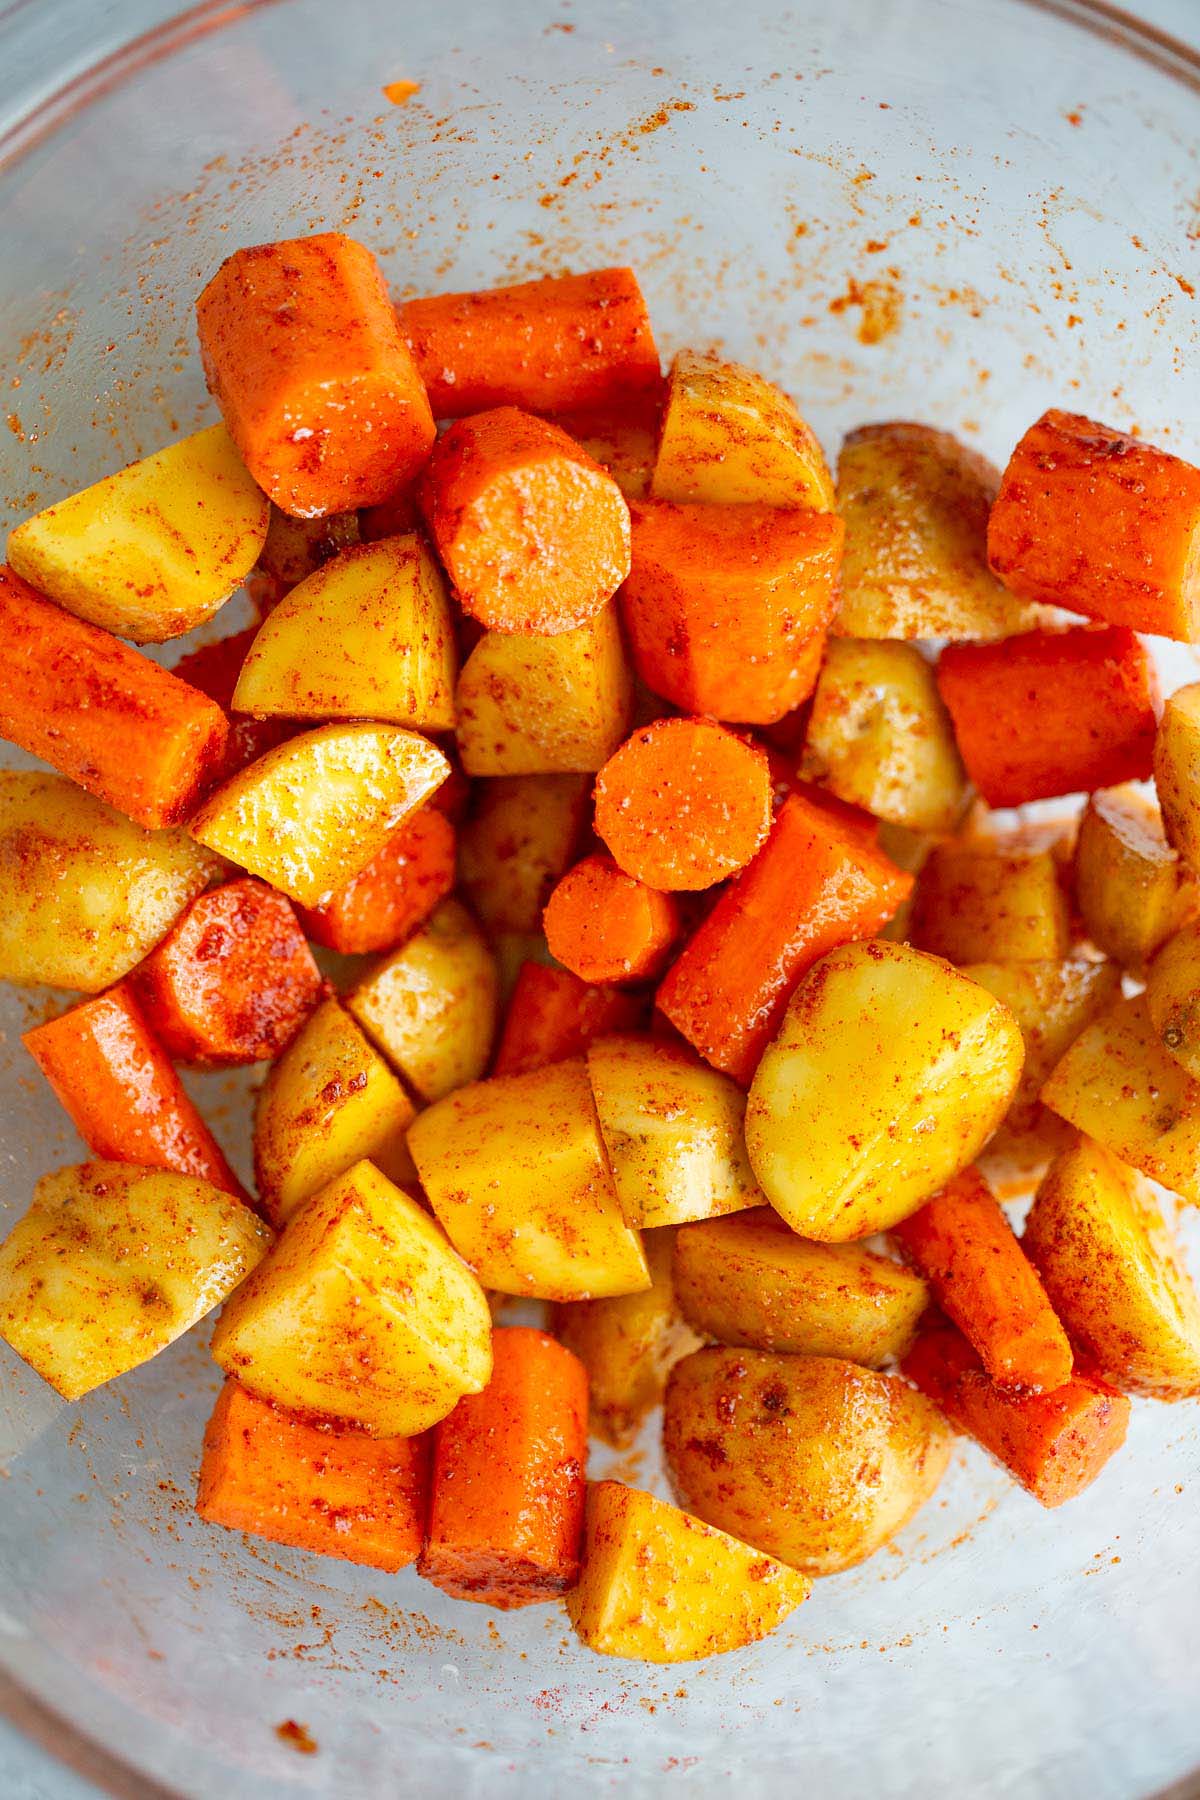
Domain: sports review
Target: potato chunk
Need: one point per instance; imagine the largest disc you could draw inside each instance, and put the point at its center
(362, 1311)
(1133, 891)
(1173, 997)
(809, 1458)
(1114, 1277)
(85, 893)
(1177, 771)
(519, 838)
(889, 1074)
(731, 437)
(515, 1170)
(659, 1586)
(112, 1263)
(976, 902)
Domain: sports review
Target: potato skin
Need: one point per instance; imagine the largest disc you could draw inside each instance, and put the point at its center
(1173, 997)
(975, 902)
(1133, 891)
(809, 1458)
(1177, 771)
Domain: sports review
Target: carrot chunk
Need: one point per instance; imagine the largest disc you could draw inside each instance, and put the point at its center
(100, 712)
(534, 534)
(605, 925)
(726, 606)
(964, 1246)
(1054, 1443)
(1052, 712)
(125, 1100)
(1100, 523)
(815, 884)
(399, 888)
(316, 1484)
(552, 1015)
(302, 349)
(508, 1488)
(556, 345)
(214, 670)
(683, 804)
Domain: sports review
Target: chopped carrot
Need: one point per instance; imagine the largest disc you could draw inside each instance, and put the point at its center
(302, 349)
(534, 534)
(102, 713)
(214, 670)
(855, 819)
(552, 1015)
(1052, 712)
(1054, 1443)
(1098, 522)
(394, 517)
(605, 925)
(399, 888)
(557, 345)
(814, 884)
(965, 1247)
(683, 804)
(727, 606)
(508, 1488)
(232, 981)
(125, 1100)
(316, 1484)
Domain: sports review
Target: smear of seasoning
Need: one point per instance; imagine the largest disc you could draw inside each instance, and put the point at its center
(298, 1736)
(880, 303)
(400, 91)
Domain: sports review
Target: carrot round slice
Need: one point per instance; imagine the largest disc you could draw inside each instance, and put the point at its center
(605, 925)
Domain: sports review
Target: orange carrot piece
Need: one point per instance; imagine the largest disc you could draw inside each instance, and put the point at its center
(855, 819)
(727, 606)
(1054, 1443)
(965, 1247)
(102, 713)
(557, 345)
(1100, 523)
(125, 1100)
(683, 804)
(232, 981)
(605, 925)
(316, 1484)
(302, 349)
(553, 1015)
(1049, 713)
(534, 534)
(214, 670)
(399, 888)
(814, 884)
(507, 1494)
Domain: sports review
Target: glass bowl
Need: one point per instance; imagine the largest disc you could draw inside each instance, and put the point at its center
(899, 208)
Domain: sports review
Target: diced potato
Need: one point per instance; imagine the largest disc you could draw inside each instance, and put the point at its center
(153, 551)
(1173, 997)
(1119, 1085)
(889, 1074)
(431, 1006)
(1177, 771)
(313, 812)
(673, 1129)
(511, 949)
(519, 838)
(1107, 1260)
(544, 705)
(752, 1281)
(812, 1459)
(296, 548)
(85, 893)
(622, 440)
(327, 1103)
(730, 437)
(515, 1170)
(659, 1586)
(910, 851)
(112, 1263)
(627, 1345)
(368, 636)
(1133, 891)
(362, 1311)
(978, 903)
(881, 738)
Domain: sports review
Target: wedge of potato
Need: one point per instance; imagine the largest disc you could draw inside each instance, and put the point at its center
(520, 836)
(976, 902)
(1133, 891)
(809, 1458)
(889, 1074)
(85, 893)
(730, 437)
(313, 812)
(362, 1311)
(155, 550)
(1177, 771)
(112, 1263)
(659, 1586)
(1173, 998)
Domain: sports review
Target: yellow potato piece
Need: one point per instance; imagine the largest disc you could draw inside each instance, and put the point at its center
(519, 838)
(730, 437)
(367, 636)
(312, 812)
(1177, 771)
(515, 1170)
(889, 1074)
(112, 1263)
(362, 1311)
(155, 550)
(85, 893)
(1173, 998)
(976, 902)
(1133, 891)
(659, 1586)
